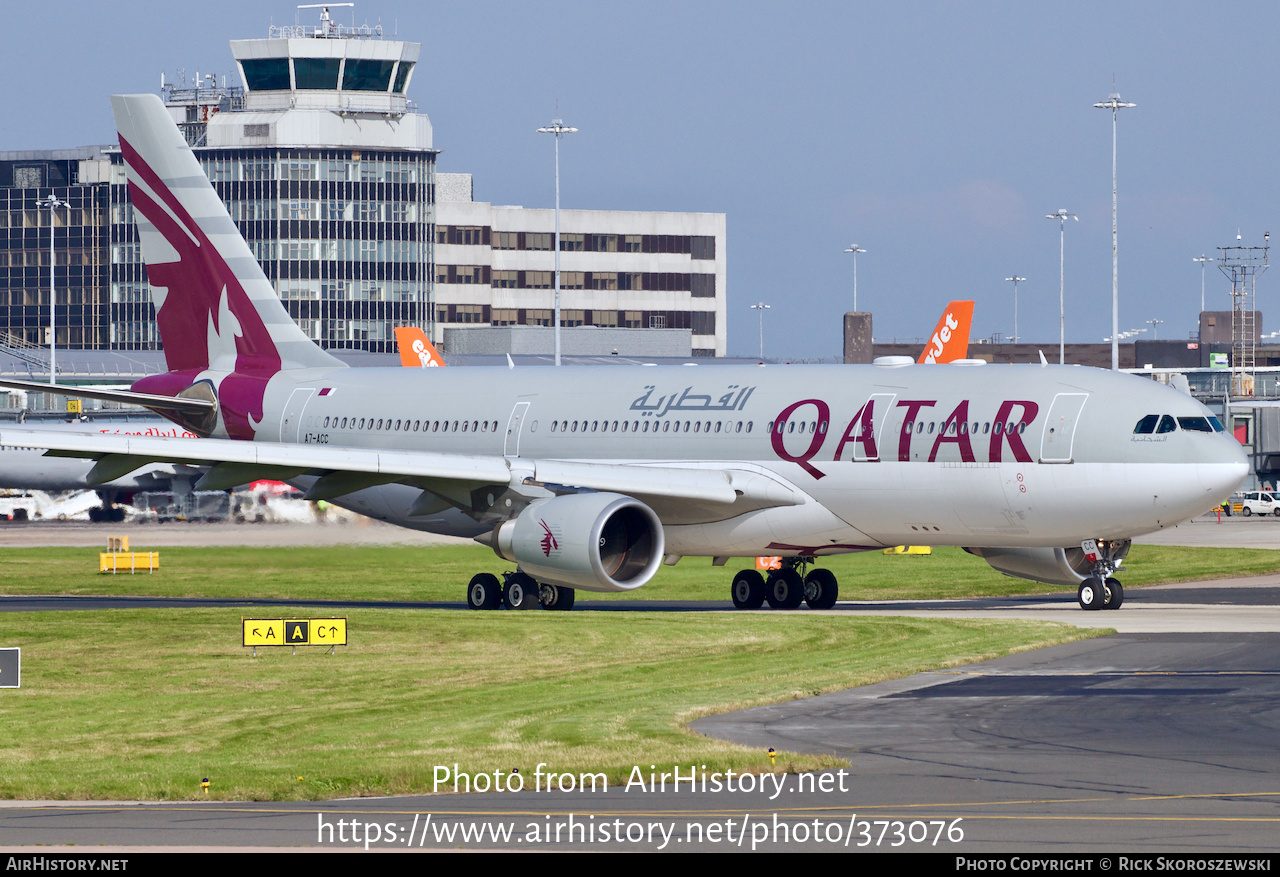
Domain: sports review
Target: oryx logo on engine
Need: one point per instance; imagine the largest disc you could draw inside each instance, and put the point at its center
(550, 539)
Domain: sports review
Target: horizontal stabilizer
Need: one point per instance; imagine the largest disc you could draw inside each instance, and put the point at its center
(128, 397)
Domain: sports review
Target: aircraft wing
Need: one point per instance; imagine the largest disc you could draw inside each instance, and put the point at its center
(453, 476)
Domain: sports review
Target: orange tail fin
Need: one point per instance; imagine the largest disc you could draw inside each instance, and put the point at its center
(950, 339)
(415, 350)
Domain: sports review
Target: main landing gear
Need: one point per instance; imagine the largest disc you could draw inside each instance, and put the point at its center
(786, 588)
(518, 591)
(1100, 590)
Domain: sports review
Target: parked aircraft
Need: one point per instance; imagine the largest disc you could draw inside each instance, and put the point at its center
(415, 350)
(587, 478)
(950, 339)
(29, 468)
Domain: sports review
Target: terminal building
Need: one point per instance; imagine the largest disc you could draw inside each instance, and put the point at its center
(329, 171)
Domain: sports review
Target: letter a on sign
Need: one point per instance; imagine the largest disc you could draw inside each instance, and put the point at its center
(296, 633)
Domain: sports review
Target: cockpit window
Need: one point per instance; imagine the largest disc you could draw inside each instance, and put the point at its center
(1195, 424)
(1217, 424)
(1147, 425)
(1167, 424)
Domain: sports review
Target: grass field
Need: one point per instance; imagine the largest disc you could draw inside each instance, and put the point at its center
(441, 573)
(141, 704)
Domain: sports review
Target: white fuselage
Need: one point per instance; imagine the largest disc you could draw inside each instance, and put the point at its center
(1000, 456)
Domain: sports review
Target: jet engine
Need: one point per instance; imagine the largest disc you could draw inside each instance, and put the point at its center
(593, 541)
(1053, 566)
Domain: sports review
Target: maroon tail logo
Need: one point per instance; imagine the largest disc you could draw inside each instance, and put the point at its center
(204, 300)
(549, 542)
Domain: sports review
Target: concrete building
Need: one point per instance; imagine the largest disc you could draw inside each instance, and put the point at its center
(618, 269)
(329, 171)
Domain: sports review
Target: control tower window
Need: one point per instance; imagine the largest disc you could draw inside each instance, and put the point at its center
(367, 75)
(316, 73)
(402, 76)
(266, 74)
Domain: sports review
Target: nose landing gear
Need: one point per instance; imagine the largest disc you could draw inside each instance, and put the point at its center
(1100, 590)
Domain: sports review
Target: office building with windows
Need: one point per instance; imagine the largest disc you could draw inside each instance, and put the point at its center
(329, 171)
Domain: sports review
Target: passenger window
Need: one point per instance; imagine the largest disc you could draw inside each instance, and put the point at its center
(1167, 424)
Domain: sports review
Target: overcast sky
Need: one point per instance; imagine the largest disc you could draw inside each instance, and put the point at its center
(935, 135)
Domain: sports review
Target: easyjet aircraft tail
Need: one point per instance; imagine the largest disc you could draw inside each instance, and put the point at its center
(950, 339)
(415, 350)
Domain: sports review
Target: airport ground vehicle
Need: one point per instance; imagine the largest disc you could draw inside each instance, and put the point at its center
(1258, 502)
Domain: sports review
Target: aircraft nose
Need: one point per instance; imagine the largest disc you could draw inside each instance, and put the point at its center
(1224, 470)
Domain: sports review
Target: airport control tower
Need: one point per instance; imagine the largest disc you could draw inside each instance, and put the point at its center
(328, 171)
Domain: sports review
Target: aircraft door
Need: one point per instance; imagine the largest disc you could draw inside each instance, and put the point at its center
(291, 420)
(1060, 427)
(881, 404)
(514, 425)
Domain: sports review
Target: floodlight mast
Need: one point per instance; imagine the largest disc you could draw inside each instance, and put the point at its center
(1114, 104)
(761, 307)
(1062, 216)
(1015, 280)
(559, 129)
(855, 249)
(1202, 258)
(52, 203)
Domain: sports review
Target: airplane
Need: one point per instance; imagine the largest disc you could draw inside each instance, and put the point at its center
(950, 339)
(588, 478)
(29, 468)
(415, 350)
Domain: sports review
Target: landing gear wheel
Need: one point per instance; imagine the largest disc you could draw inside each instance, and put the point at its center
(556, 597)
(785, 589)
(1091, 593)
(521, 592)
(1115, 595)
(748, 589)
(484, 592)
(821, 589)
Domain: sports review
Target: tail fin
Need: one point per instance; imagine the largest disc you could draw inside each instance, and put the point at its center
(950, 339)
(415, 350)
(215, 308)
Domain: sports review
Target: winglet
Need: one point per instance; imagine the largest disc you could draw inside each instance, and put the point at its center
(950, 339)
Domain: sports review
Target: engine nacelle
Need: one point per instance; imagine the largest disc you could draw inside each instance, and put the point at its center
(1053, 566)
(593, 541)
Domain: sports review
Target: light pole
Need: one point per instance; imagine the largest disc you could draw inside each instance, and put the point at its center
(559, 129)
(1015, 280)
(855, 249)
(1062, 216)
(1155, 328)
(761, 307)
(1114, 104)
(52, 203)
(1202, 259)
